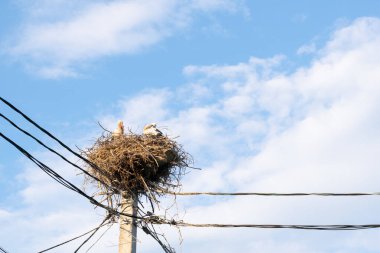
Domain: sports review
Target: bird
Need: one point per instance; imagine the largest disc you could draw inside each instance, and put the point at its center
(151, 129)
(119, 131)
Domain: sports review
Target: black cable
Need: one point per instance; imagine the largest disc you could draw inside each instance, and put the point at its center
(77, 237)
(62, 180)
(55, 152)
(304, 227)
(324, 194)
(52, 136)
(149, 231)
(92, 234)
(3, 250)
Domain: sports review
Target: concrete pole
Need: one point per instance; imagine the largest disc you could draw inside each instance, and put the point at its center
(128, 229)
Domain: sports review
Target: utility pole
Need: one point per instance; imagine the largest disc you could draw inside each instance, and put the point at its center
(128, 229)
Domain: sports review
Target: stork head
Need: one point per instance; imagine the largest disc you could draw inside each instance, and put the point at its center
(151, 125)
(120, 124)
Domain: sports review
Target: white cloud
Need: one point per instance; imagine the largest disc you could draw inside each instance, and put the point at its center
(307, 49)
(254, 128)
(4, 214)
(212, 5)
(55, 43)
(54, 72)
(137, 111)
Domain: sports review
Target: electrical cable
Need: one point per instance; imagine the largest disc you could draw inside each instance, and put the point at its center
(55, 152)
(62, 180)
(75, 238)
(304, 227)
(323, 194)
(92, 234)
(3, 250)
(51, 135)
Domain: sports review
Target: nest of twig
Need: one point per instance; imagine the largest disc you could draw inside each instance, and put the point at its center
(134, 165)
(137, 164)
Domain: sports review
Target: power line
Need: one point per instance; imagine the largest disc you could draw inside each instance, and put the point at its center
(62, 180)
(323, 194)
(56, 153)
(50, 149)
(91, 235)
(77, 237)
(274, 226)
(157, 220)
(51, 135)
(3, 250)
(50, 171)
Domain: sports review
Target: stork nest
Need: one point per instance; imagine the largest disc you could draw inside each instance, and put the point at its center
(136, 164)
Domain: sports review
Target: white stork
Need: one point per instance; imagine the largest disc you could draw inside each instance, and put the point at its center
(119, 131)
(151, 129)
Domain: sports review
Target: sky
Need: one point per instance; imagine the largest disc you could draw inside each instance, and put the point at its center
(267, 96)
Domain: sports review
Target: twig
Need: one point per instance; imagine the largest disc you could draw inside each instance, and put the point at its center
(104, 128)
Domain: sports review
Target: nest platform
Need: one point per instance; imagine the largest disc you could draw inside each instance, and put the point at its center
(137, 164)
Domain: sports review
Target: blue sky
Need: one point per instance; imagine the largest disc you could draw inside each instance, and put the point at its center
(266, 95)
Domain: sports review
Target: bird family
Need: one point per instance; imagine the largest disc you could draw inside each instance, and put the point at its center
(150, 129)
